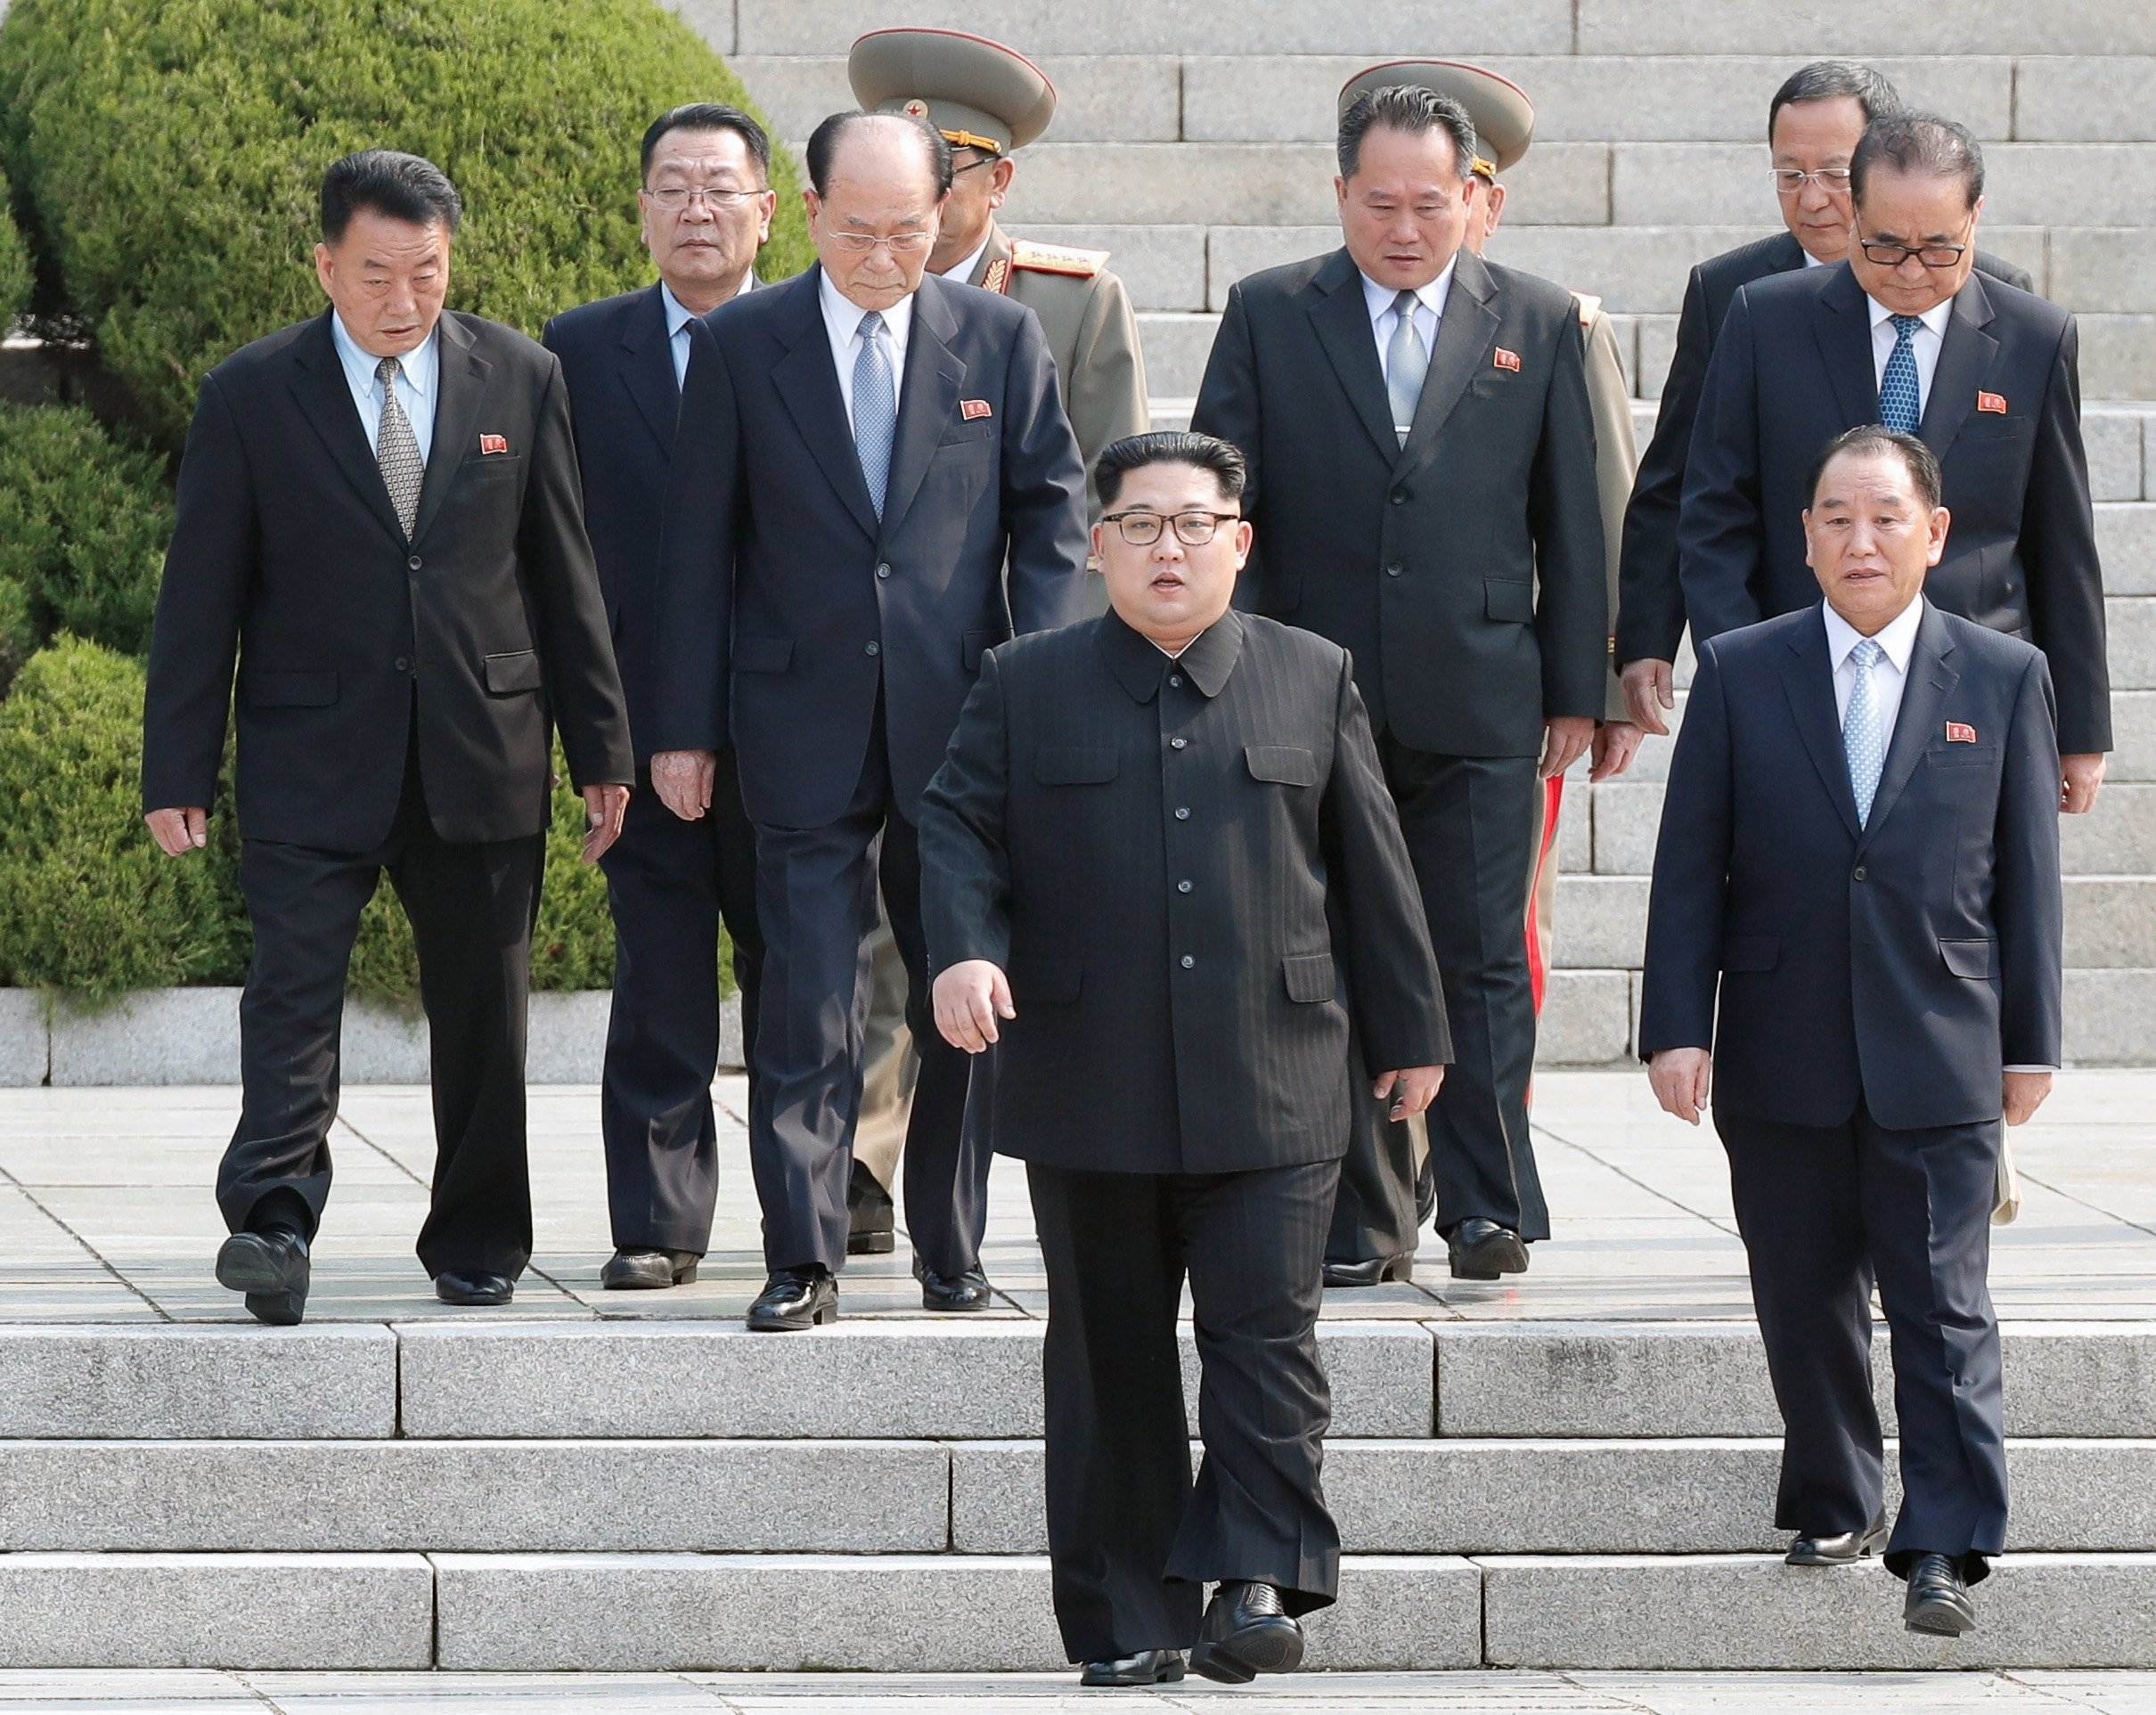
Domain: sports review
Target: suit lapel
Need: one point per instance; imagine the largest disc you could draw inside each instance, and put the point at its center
(1923, 697)
(1341, 318)
(927, 396)
(318, 384)
(1964, 358)
(1465, 335)
(1808, 679)
(647, 367)
(805, 380)
(463, 387)
(1842, 324)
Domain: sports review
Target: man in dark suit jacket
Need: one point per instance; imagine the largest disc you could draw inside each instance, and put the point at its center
(1861, 837)
(1424, 492)
(1154, 833)
(1905, 334)
(860, 450)
(707, 206)
(378, 513)
(1813, 125)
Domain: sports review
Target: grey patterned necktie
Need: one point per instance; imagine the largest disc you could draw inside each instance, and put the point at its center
(1406, 362)
(875, 409)
(396, 449)
(1862, 739)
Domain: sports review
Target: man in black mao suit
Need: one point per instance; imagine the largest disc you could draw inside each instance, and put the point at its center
(378, 515)
(1861, 839)
(1424, 492)
(707, 205)
(860, 450)
(1907, 334)
(1155, 835)
(1813, 125)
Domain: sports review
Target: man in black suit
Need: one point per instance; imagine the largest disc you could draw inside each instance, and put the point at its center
(378, 514)
(1813, 125)
(1905, 333)
(860, 450)
(1861, 837)
(1422, 458)
(707, 206)
(1154, 837)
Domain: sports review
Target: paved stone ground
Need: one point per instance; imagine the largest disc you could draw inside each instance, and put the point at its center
(106, 1215)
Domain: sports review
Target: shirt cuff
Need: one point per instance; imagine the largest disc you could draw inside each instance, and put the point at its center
(2031, 1068)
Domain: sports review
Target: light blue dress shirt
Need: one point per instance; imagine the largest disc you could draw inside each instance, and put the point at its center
(679, 315)
(418, 384)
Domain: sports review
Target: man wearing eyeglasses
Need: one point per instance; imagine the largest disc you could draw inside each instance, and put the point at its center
(1905, 333)
(862, 453)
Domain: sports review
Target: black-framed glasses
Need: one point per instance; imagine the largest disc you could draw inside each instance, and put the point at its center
(971, 166)
(1192, 529)
(1791, 180)
(674, 198)
(1881, 254)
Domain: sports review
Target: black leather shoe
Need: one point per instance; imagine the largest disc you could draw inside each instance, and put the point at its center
(1374, 1272)
(794, 1298)
(453, 1287)
(1938, 1601)
(951, 1292)
(273, 1270)
(870, 1224)
(1246, 1632)
(1843, 1550)
(1481, 1250)
(1148, 1667)
(641, 1270)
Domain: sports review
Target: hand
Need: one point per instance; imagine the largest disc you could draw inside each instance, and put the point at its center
(1565, 737)
(2024, 1094)
(1412, 1088)
(1683, 1078)
(682, 778)
(604, 806)
(180, 830)
(2084, 775)
(1616, 743)
(969, 997)
(1650, 687)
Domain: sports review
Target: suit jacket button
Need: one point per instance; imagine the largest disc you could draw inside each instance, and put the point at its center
(1178, 744)
(1399, 497)
(1861, 872)
(1182, 813)
(414, 562)
(1188, 962)
(875, 648)
(404, 664)
(883, 571)
(1392, 571)
(1182, 886)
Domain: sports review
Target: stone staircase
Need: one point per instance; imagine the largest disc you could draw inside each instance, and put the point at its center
(661, 1495)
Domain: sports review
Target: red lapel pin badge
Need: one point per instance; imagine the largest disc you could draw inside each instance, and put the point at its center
(1994, 402)
(1505, 359)
(1958, 733)
(492, 443)
(971, 409)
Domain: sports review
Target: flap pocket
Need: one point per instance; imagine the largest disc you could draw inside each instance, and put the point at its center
(1075, 765)
(519, 670)
(761, 654)
(265, 689)
(1284, 764)
(1046, 982)
(1954, 756)
(1309, 976)
(974, 645)
(1751, 953)
(1971, 959)
(1509, 599)
(488, 464)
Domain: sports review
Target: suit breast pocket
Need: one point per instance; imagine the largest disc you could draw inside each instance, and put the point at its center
(490, 467)
(1281, 764)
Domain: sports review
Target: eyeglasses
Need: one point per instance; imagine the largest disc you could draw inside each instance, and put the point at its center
(1883, 255)
(1192, 529)
(674, 198)
(977, 162)
(1789, 180)
(898, 243)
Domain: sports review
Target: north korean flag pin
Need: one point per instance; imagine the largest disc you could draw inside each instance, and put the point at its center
(492, 443)
(1994, 402)
(1505, 359)
(1959, 734)
(969, 409)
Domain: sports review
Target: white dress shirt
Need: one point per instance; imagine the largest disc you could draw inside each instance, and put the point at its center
(1429, 311)
(842, 318)
(1924, 344)
(679, 315)
(963, 272)
(418, 372)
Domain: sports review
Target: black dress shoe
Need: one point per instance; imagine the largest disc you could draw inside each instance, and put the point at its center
(641, 1270)
(1246, 1632)
(273, 1270)
(1938, 1601)
(870, 1223)
(1481, 1250)
(1374, 1272)
(453, 1287)
(951, 1292)
(793, 1299)
(1148, 1667)
(1845, 1549)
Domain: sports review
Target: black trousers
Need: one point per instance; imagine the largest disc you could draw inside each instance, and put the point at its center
(471, 908)
(1131, 1540)
(1469, 824)
(816, 900)
(1824, 1212)
(670, 883)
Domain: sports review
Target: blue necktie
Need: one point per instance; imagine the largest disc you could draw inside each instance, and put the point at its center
(1901, 405)
(875, 409)
(1862, 742)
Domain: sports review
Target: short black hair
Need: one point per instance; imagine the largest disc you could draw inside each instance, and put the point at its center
(824, 139)
(1872, 440)
(1827, 80)
(1919, 142)
(707, 116)
(1169, 446)
(404, 187)
(1410, 107)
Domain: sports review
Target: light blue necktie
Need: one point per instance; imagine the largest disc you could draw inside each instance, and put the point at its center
(1862, 742)
(875, 409)
(1407, 363)
(1900, 405)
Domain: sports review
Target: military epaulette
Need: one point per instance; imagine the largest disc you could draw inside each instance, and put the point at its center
(1588, 306)
(1056, 258)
